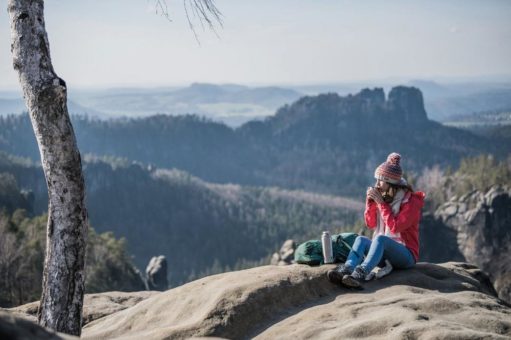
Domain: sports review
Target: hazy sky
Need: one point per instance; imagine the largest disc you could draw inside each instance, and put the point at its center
(124, 43)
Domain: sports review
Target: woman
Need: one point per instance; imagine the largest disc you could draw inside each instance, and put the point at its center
(393, 210)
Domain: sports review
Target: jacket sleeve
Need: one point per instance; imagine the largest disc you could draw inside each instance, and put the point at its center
(370, 214)
(408, 216)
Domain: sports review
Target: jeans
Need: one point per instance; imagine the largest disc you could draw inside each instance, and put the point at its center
(377, 250)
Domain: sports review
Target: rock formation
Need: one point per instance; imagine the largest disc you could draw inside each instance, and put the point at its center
(271, 302)
(476, 228)
(409, 103)
(95, 305)
(451, 300)
(156, 273)
(286, 254)
(18, 328)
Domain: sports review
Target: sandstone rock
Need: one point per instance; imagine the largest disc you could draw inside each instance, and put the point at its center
(287, 251)
(286, 254)
(13, 326)
(452, 300)
(275, 259)
(95, 306)
(156, 273)
(479, 232)
(409, 103)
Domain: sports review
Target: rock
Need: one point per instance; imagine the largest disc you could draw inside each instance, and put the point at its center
(408, 103)
(13, 327)
(287, 251)
(95, 306)
(275, 259)
(480, 233)
(286, 254)
(451, 300)
(373, 98)
(156, 272)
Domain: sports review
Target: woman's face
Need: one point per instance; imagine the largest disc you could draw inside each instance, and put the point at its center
(382, 186)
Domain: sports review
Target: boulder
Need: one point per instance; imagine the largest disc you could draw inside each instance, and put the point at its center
(156, 273)
(286, 254)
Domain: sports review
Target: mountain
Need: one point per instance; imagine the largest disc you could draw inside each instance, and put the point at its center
(325, 143)
(17, 105)
(229, 103)
(444, 108)
(200, 227)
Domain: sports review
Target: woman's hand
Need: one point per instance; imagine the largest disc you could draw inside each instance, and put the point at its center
(368, 197)
(374, 195)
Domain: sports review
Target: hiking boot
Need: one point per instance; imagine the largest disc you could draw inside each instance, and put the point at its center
(356, 278)
(336, 275)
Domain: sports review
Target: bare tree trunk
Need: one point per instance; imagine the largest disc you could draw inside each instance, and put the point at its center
(46, 98)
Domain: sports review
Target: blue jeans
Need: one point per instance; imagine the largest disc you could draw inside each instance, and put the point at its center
(377, 250)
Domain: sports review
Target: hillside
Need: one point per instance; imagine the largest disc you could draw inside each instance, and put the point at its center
(313, 144)
(200, 227)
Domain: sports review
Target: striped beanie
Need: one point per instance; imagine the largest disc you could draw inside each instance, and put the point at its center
(390, 171)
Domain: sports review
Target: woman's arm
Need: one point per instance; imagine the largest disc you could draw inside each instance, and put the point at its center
(370, 214)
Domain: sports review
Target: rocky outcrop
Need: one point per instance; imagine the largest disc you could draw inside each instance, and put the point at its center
(476, 228)
(15, 327)
(156, 273)
(373, 98)
(408, 103)
(95, 306)
(286, 254)
(452, 300)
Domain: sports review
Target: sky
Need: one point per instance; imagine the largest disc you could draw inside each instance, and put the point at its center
(124, 43)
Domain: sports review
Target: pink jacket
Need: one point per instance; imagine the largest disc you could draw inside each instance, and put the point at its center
(406, 222)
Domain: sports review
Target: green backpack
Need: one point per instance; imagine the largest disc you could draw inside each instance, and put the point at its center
(311, 252)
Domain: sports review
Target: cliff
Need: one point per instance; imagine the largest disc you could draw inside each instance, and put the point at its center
(476, 228)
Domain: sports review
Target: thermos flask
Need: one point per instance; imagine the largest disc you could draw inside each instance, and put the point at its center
(326, 242)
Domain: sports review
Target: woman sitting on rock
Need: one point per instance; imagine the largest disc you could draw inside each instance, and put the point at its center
(393, 210)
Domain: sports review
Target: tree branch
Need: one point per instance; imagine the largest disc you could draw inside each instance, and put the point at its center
(204, 10)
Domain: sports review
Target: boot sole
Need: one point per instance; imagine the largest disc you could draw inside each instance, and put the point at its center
(351, 282)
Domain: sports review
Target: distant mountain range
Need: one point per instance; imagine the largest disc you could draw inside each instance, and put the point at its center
(325, 143)
(316, 149)
(235, 104)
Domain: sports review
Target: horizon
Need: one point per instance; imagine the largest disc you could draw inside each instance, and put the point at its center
(283, 44)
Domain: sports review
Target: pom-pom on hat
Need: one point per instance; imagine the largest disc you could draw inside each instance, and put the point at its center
(390, 171)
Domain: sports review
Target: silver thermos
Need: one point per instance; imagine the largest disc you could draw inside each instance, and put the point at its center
(326, 242)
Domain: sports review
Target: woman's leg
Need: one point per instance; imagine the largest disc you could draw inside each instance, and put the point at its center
(385, 247)
(356, 255)
(360, 247)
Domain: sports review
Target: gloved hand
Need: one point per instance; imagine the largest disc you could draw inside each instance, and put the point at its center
(375, 195)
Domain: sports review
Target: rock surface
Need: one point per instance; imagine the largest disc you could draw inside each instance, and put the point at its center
(475, 228)
(156, 273)
(14, 327)
(286, 254)
(95, 306)
(452, 300)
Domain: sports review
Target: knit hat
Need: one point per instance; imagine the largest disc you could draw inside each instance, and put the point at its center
(390, 171)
